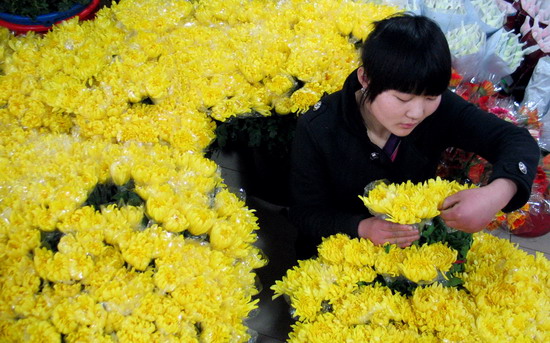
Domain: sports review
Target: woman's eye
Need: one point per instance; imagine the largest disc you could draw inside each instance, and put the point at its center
(402, 99)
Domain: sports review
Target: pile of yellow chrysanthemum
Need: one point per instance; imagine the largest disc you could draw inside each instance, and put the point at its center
(409, 203)
(506, 295)
(130, 98)
(123, 273)
(144, 70)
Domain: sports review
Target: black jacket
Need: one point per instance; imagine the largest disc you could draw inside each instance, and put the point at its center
(333, 159)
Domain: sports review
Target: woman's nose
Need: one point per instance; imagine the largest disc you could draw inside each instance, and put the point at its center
(415, 110)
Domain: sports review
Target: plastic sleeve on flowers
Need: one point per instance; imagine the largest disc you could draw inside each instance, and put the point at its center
(538, 89)
(373, 185)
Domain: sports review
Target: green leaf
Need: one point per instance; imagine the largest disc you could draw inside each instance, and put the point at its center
(405, 287)
(456, 268)
(109, 193)
(34, 8)
(453, 282)
(427, 232)
(50, 239)
(326, 306)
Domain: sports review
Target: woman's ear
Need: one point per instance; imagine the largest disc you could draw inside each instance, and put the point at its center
(362, 77)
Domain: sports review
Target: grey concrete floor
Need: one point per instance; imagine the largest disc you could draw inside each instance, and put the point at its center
(272, 320)
(276, 239)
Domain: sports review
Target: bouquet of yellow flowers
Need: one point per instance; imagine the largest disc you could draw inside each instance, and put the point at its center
(417, 204)
(409, 203)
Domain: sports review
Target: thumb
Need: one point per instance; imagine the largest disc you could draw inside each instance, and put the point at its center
(449, 202)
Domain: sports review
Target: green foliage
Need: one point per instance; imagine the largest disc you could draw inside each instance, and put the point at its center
(400, 285)
(326, 307)
(34, 8)
(109, 193)
(274, 133)
(50, 239)
(437, 231)
(432, 233)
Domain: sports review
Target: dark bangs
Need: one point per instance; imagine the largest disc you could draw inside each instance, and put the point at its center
(406, 53)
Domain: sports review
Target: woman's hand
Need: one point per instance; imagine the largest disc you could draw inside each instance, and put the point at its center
(472, 210)
(380, 231)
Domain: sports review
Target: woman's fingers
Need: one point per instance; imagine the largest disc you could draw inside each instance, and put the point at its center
(450, 201)
(403, 242)
(405, 233)
(380, 232)
(399, 229)
(402, 235)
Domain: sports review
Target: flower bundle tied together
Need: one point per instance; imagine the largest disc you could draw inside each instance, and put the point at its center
(409, 203)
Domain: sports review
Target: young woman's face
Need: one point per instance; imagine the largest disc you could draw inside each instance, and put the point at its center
(400, 113)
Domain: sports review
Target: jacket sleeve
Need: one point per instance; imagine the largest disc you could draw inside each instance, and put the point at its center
(313, 210)
(511, 150)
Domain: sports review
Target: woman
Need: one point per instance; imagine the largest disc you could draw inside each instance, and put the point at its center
(392, 120)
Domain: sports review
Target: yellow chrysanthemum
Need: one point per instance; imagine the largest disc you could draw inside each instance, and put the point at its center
(505, 296)
(370, 304)
(409, 203)
(114, 252)
(418, 269)
(387, 263)
(440, 255)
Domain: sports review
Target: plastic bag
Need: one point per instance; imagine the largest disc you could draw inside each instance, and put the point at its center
(412, 6)
(503, 55)
(489, 15)
(452, 14)
(535, 221)
(537, 94)
(449, 15)
(467, 44)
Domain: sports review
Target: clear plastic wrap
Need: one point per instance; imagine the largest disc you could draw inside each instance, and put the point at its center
(411, 6)
(489, 15)
(467, 44)
(449, 15)
(537, 8)
(503, 55)
(537, 95)
(409, 203)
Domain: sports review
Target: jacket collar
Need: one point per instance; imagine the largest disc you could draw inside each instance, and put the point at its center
(349, 108)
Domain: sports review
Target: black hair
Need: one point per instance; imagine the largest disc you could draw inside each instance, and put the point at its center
(407, 53)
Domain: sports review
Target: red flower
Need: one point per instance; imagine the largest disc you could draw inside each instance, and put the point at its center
(483, 102)
(456, 79)
(541, 181)
(487, 88)
(475, 172)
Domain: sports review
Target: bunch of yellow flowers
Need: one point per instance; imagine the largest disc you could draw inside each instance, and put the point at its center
(337, 297)
(143, 70)
(410, 203)
(131, 97)
(180, 266)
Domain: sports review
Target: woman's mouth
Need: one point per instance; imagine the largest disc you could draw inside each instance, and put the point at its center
(407, 126)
